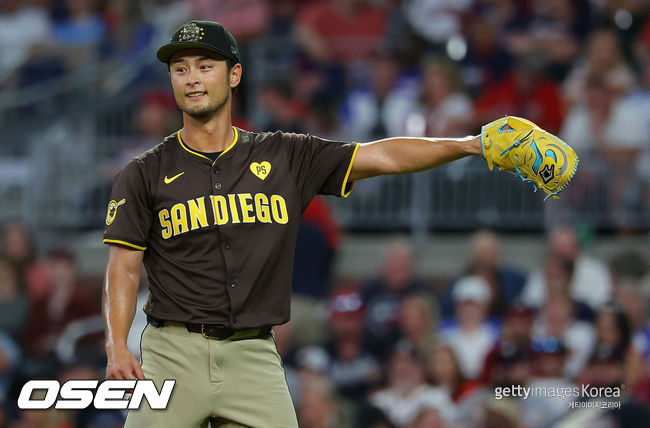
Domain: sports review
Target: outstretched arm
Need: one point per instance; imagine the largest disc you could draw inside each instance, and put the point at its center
(404, 154)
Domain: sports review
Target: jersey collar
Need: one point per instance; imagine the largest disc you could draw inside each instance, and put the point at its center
(234, 141)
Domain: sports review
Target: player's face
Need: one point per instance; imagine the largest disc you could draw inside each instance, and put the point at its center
(202, 82)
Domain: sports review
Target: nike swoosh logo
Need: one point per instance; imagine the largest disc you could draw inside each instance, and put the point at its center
(169, 180)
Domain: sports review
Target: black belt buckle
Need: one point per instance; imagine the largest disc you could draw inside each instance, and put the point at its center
(213, 332)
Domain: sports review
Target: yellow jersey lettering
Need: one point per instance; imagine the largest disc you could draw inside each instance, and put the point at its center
(198, 217)
(262, 208)
(246, 207)
(279, 209)
(166, 225)
(220, 209)
(233, 208)
(179, 219)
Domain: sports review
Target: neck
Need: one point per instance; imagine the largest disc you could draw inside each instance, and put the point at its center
(208, 135)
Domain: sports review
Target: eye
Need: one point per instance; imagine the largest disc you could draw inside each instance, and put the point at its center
(180, 69)
(206, 67)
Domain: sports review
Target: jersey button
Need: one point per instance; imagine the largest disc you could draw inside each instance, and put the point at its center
(227, 245)
(232, 285)
(215, 169)
(234, 319)
(217, 186)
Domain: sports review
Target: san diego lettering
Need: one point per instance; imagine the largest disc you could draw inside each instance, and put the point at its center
(231, 208)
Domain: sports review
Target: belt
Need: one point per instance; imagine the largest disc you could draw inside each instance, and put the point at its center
(213, 331)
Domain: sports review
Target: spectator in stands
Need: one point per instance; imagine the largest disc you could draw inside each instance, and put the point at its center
(614, 331)
(320, 406)
(14, 305)
(590, 283)
(486, 61)
(436, 21)
(555, 33)
(525, 92)
(486, 261)
(610, 132)
(10, 355)
(322, 117)
(65, 300)
(79, 34)
(129, 33)
(556, 320)
(155, 119)
(443, 371)
(282, 111)
(515, 337)
(384, 296)
(17, 247)
(603, 60)
(244, 20)
(550, 356)
(317, 244)
(23, 26)
(511, 365)
(319, 238)
(376, 108)
(407, 393)
(418, 320)
(442, 104)
(353, 369)
(470, 335)
(612, 126)
(340, 31)
(607, 369)
(637, 103)
(634, 303)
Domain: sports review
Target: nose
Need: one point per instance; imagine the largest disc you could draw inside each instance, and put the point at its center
(193, 76)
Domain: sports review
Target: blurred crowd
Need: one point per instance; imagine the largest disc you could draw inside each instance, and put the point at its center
(395, 350)
(367, 69)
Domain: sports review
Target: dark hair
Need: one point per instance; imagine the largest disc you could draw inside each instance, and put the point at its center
(622, 324)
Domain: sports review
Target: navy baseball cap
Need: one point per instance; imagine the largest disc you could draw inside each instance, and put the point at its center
(208, 35)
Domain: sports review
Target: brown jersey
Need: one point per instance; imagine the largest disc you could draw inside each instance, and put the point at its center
(219, 237)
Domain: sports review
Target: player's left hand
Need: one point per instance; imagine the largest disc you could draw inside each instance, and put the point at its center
(534, 155)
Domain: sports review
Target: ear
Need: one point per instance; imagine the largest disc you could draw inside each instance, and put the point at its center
(235, 75)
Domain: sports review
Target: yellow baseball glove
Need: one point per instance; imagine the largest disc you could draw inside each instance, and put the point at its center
(534, 155)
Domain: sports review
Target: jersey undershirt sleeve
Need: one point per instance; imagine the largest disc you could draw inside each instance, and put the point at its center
(129, 215)
(320, 166)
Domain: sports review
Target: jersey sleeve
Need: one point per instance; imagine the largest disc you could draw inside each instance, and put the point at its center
(321, 166)
(129, 214)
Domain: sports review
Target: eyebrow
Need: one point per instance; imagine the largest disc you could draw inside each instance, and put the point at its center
(201, 58)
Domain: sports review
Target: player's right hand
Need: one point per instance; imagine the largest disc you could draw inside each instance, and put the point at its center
(122, 364)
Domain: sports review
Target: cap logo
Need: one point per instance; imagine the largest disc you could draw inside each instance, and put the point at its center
(233, 50)
(190, 33)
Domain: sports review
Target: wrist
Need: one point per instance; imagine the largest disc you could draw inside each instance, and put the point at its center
(472, 145)
(113, 345)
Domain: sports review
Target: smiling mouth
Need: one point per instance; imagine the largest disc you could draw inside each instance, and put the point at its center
(196, 94)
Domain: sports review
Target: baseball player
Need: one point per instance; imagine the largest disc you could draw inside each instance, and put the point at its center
(213, 212)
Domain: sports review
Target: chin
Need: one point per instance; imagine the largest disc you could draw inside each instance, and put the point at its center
(199, 113)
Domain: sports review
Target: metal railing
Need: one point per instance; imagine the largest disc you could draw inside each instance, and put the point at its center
(59, 187)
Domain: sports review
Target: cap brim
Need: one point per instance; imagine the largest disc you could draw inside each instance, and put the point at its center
(165, 52)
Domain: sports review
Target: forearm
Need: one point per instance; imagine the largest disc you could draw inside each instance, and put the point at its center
(119, 299)
(404, 155)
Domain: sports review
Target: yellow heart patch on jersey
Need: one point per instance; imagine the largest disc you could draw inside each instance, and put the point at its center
(261, 169)
(112, 210)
